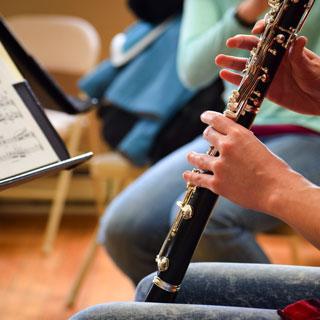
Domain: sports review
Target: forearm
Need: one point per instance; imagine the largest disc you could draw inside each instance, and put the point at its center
(203, 34)
(296, 201)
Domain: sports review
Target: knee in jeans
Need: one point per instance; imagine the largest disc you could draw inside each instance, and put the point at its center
(143, 288)
(118, 233)
(224, 217)
(217, 227)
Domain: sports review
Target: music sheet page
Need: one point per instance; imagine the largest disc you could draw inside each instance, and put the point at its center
(23, 145)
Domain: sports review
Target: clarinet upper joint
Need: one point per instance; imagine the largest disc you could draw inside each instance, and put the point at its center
(232, 105)
(274, 3)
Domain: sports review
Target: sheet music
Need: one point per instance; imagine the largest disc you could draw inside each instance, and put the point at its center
(23, 145)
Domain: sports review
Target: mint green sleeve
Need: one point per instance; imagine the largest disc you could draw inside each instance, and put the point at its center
(206, 25)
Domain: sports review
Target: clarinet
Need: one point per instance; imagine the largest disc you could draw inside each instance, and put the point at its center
(282, 23)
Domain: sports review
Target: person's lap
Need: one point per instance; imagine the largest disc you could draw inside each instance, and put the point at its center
(158, 311)
(266, 286)
(220, 291)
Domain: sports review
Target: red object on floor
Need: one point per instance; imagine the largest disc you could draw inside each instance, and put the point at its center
(301, 310)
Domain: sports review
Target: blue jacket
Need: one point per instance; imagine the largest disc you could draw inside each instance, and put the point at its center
(148, 86)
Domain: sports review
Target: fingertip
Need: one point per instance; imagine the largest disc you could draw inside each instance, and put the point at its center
(231, 42)
(191, 155)
(235, 41)
(209, 116)
(220, 60)
(258, 27)
(186, 175)
(217, 59)
(298, 46)
(301, 41)
(223, 73)
(228, 41)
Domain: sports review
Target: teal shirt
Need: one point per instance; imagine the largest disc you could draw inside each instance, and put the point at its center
(205, 27)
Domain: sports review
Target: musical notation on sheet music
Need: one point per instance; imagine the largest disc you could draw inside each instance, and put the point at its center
(15, 151)
(9, 112)
(23, 145)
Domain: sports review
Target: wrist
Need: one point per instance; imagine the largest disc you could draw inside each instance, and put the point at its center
(286, 193)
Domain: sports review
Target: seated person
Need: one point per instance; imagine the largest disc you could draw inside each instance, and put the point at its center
(241, 291)
(137, 119)
(230, 233)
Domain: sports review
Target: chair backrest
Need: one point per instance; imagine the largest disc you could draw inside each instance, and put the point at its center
(64, 44)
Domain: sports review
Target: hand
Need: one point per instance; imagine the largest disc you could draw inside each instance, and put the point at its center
(296, 85)
(250, 10)
(245, 171)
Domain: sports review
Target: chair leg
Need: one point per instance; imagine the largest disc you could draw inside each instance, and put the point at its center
(100, 198)
(100, 194)
(64, 180)
(99, 187)
(294, 244)
(56, 210)
(115, 188)
(84, 268)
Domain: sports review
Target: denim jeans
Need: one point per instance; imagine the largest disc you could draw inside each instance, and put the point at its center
(136, 222)
(220, 291)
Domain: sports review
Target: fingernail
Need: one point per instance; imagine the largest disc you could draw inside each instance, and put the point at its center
(207, 116)
(185, 175)
(192, 155)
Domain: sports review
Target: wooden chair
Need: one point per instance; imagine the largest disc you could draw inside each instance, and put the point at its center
(110, 173)
(64, 45)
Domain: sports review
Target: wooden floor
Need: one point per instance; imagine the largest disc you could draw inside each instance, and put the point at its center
(34, 286)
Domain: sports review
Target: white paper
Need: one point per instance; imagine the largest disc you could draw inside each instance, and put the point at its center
(23, 145)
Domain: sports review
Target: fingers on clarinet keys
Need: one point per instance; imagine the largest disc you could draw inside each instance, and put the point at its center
(233, 104)
(186, 174)
(202, 162)
(197, 179)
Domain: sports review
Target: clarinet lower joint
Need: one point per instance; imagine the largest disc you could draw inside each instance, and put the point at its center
(165, 286)
(162, 263)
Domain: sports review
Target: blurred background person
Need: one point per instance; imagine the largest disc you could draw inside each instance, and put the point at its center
(143, 103)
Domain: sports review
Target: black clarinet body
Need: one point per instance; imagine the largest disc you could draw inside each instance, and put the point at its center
(283, 21)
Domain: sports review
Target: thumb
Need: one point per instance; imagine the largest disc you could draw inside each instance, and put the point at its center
(296, 51)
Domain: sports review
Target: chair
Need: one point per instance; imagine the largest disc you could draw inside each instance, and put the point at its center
(49, 38)
(70, 46)
(110, 174)
(65, 44)
(109, 169)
